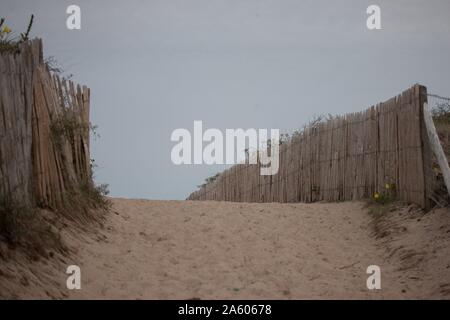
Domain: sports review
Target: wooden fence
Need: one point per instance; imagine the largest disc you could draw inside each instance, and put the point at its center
(349, 157)
(44, 127)
(16, 104)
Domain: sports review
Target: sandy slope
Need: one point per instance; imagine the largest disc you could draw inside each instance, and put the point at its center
(185, 250)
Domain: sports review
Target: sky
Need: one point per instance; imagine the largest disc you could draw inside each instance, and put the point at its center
(157, 65)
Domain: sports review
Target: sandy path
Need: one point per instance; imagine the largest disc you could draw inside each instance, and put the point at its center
(184, 250)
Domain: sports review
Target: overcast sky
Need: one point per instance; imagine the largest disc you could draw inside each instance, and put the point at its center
(155, 66)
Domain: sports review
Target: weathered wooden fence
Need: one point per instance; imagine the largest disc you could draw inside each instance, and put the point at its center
(44, 127)
(60, 137)
(349, 157)
(16, 104)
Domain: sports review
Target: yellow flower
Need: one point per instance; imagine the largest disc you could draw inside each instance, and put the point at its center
(388, 186)
(6, 29)
(376, 195)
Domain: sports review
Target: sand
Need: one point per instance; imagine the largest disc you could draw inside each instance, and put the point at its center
(221, 250)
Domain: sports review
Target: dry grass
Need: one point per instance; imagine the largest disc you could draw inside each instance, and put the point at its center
(28, 229)
(86, 203)
(379, 212)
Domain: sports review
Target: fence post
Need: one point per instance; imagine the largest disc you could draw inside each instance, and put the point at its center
(426, 146)
(436, 145)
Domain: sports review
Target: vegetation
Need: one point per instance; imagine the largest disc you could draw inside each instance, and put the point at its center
(313, 123)
(67, 126)
(209, 180)
(382, 202)
(54, 66)
(441, 112)
(86, 202)
(28, 228)
(441, 117)
(387, 196)
(85, 196)
(10, 43)
(95, 195)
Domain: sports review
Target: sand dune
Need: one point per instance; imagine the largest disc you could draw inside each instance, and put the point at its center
(219, 250)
